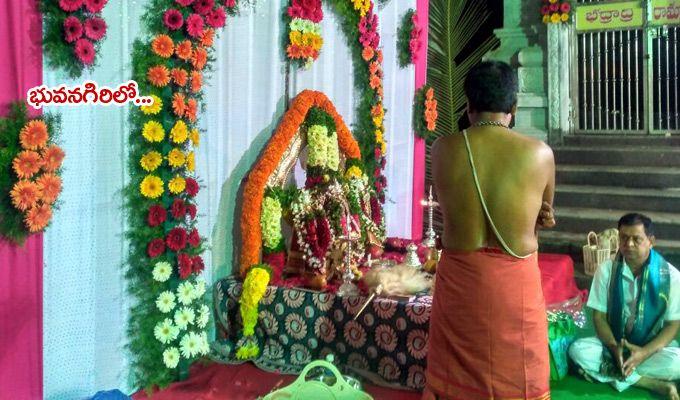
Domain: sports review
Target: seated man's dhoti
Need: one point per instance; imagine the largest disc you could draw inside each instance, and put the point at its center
(488, 328)
(663, 365)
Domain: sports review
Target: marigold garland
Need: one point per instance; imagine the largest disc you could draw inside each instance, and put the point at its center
(424, 111)
(30, 163)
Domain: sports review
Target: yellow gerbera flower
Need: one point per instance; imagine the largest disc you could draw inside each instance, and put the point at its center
(153, 131)
(176, 185)
(353, 172)
(546, 18)
(555, 18)
(195, 137)
(295, 37)
(191, 161)
(151, 160)
(176, 158)
(151, 187)
(179, 132)
(154, 108)
(383, 148)
(564, 17)
(378, 136)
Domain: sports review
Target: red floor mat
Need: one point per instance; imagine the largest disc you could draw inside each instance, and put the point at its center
(244, 382)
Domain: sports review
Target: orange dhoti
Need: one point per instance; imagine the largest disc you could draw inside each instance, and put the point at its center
(488, 329)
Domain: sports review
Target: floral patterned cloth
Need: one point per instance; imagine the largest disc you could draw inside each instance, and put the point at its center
(387, 344)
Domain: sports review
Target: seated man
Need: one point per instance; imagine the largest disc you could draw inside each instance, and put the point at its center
(636, 313)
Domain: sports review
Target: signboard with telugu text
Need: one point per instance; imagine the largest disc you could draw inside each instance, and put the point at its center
(629, 14)
(665, 12)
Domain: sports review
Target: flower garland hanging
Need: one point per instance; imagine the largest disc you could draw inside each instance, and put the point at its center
(256, 185)
(555, 11)
(360, 25)
(168, 325)
(304, 35)
(408, 39)
(30, 167)
(424, 111)
(254, 288)
(73, 32)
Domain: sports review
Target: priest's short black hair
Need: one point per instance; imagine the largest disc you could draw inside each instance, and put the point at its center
(491, 86)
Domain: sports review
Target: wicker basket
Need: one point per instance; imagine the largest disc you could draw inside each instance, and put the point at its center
(595, 253)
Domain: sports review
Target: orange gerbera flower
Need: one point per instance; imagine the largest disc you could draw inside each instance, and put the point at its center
(25, 194)
(380, 56)
(163, 46)
(26, 163)
(367, 53)
(183, 50)
(375, 81)
(52, 158)
(180, 76)
(38, 217)
(199, 58)
(178, 105)
(377, 110)
(374, 67)
(50, 187)
(33, 135)
(208, 37)
(294, 51)
(158, 75)
(196, 81)
(192, 110)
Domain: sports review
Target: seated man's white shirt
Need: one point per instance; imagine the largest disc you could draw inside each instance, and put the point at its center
(599, 292)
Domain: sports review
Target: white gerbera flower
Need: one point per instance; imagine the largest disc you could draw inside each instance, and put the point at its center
(162, 271)
(203, 316)
(190, 345)
(186, 293)
(171, 357)
(200, 288)
(205, 346)
(165, 302)
(183, 317)
(165, 331)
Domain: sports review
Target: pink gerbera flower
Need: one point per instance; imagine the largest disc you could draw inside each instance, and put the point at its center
(95, 6)
(70, 5)
(95, 28)
(184, 3)
(203, 6)
(173, 19)
(73, 29)
(216, 18)
(195, 25)
(85, 51)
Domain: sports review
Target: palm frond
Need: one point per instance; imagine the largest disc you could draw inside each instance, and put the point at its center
(453, 25)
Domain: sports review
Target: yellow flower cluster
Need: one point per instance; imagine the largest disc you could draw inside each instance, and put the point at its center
(555, 18)
(307, 39)
(254, 287)
(362, 6)
(353, 172)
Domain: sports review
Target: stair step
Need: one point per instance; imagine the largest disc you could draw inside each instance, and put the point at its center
(622, 176)
(619, 140)
(574, 219)
(552, 241)
(610, 197)
(611, 155)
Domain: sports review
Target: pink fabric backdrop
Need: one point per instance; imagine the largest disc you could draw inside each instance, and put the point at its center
(422, 7)
(20, 267)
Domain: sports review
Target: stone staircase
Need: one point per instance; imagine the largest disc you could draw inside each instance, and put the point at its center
(600, 178)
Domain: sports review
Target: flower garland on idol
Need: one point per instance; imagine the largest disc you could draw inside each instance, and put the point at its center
(360, 25)
(30, 168)
(74, 30)
(168, 326)
(555, 11)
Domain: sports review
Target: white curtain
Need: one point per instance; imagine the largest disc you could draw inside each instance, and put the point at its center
(86, 303)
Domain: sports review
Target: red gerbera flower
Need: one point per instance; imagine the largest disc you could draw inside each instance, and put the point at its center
(157, 215)
(565, 7)
(230, 3)
(198, 265)
(176, 239)
(191, 187)
(216, 18)
(194, 238)
(203, 6)
(185, 264)
(178, 209)
(191, 210)
(155, 248)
